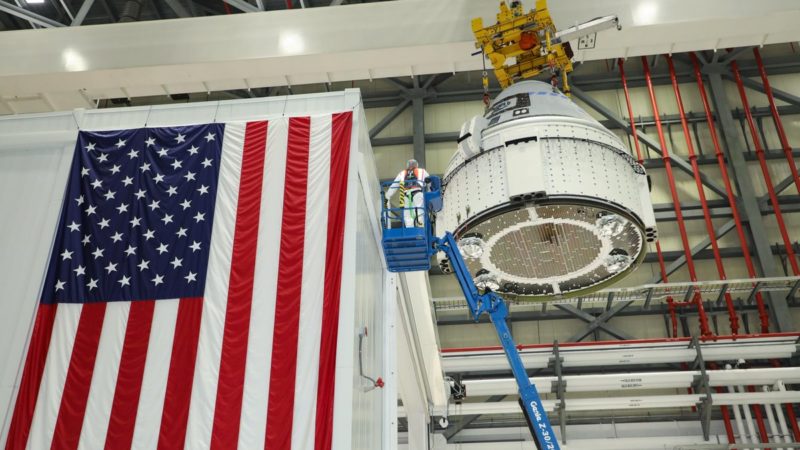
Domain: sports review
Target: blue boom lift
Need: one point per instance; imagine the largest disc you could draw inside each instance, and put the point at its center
(410, 248)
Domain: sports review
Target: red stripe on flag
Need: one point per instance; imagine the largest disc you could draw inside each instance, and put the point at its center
(31, 377)
(175, 413)
(129, 378)
(228, 408)
(280, 407)
(67, 432)
(337, 205)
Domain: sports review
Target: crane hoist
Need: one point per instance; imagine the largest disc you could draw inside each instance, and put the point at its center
(522, 45)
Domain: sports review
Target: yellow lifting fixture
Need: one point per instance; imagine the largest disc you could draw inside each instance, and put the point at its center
(522, 45)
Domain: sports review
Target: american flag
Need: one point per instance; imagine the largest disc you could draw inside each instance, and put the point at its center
(192, 296)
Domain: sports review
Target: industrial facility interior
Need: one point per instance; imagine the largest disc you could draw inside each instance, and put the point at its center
(606, 236)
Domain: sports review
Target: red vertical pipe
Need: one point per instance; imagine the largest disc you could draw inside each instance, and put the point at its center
(762, 161)
(787, 150)
(662, 267)
(734, 320)
(726, 415)
(762, 429)
(675, 198)
(723, 169)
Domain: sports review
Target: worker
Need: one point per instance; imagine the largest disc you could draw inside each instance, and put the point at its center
(410, 182)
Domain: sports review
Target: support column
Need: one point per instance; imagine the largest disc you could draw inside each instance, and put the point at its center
(778, 307)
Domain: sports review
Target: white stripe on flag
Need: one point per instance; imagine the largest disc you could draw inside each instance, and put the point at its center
(212, 323)
(262, 316)
(104, 377)
(312, 290)
(154, 379)
(59, 353)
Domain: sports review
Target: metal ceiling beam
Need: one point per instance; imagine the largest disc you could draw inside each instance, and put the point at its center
(779, 94)
(598, 322)
(591, 319)
(681, 261)
(32, 17)
(242, 5)
(177, 8)
(82, 12)
(647, 140)
(388, 118)
(465, 421)
(778, 310)
(734, 54)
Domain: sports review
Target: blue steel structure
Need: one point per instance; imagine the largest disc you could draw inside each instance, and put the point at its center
(409, 249)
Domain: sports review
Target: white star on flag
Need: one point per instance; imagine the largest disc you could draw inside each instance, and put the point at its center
(121, 143)
(180, 138)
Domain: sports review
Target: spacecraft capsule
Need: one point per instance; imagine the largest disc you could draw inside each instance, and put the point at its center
(546, 201)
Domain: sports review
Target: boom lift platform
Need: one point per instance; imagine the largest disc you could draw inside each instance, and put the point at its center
(410, 249)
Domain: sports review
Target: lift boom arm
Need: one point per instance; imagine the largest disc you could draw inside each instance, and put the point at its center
(494, 305)
(408, 247)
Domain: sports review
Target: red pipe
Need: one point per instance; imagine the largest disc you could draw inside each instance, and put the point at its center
(787, 150)
(723, 169)
(734, 320)
(762, 161)
(704, 328)
(662, 267)
(726, 416)
(762, 430)
(288, 4)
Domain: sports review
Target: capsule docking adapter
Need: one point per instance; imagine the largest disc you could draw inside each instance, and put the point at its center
(544, 200)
